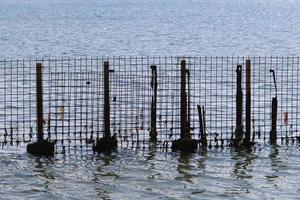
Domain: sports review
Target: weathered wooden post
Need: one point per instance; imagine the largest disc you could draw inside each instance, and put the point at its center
(108, 142)
(41, 147)
(184, 134)
(106, 108)
(248, 102)
(153, 131)
(188, 100)
(203, 139)
(239, 107)
(273, 132)
(185, 143)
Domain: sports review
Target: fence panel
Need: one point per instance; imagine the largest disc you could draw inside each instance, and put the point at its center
(73, 99)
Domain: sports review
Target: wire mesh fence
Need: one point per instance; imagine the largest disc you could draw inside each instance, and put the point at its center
(73, 96)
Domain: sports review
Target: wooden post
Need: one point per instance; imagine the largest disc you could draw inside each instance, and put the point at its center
(239, 106)
(184, 134)
(203, 139)
(41, 147)
(39, 102)
(106, 101)
(185, 143)
(153, 131)
(273, 133)
(248, 101)
(188, 101)
(107, 142)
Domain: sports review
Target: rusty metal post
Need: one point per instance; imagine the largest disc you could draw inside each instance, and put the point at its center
(153, 131)
(39, 102)
(106, 101)
(273, 133)
(248, 101)
(239, 106)
(183, 103)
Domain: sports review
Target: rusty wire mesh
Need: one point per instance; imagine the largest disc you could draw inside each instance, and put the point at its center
(73, 99)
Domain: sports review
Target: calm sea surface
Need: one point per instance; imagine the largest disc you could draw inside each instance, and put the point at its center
(73, 28)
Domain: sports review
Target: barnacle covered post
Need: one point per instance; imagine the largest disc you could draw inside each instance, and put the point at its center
(185, 143)
(108, 142)
(42, 147)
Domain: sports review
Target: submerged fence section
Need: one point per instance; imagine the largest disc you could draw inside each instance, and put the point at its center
(145, 100)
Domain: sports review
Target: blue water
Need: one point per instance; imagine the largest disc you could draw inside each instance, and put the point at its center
(65, 28)
(73, 28)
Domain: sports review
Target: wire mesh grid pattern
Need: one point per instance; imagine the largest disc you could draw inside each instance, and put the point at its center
(73, 99)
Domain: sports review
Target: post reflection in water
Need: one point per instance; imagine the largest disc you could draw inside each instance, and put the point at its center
(190, 165)
(244, 159)
(103, 176)
(42, 169)
(275, 164)
(242, 171)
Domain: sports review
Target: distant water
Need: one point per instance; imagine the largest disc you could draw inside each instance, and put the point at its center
(73, 28)
(68, 28)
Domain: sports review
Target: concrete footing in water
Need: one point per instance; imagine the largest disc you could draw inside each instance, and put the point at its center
(185, 145)
(105, 144)
(41, 148)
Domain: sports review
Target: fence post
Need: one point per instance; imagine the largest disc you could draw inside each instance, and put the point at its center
(273, 132)
(106, 108)
(39, 102)
(153, 131)
(41, 147)
(188, 101)
(184, 134)
(248, 102)
(185, 143)
(107, 142)
(239, 107)
(203, 139)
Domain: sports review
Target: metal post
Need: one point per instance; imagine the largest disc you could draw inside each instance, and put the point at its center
(239, 106)
(106, 101)
(39, 102)
(153, 132)
(183, 103)
(248, 101)
(273, 133)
